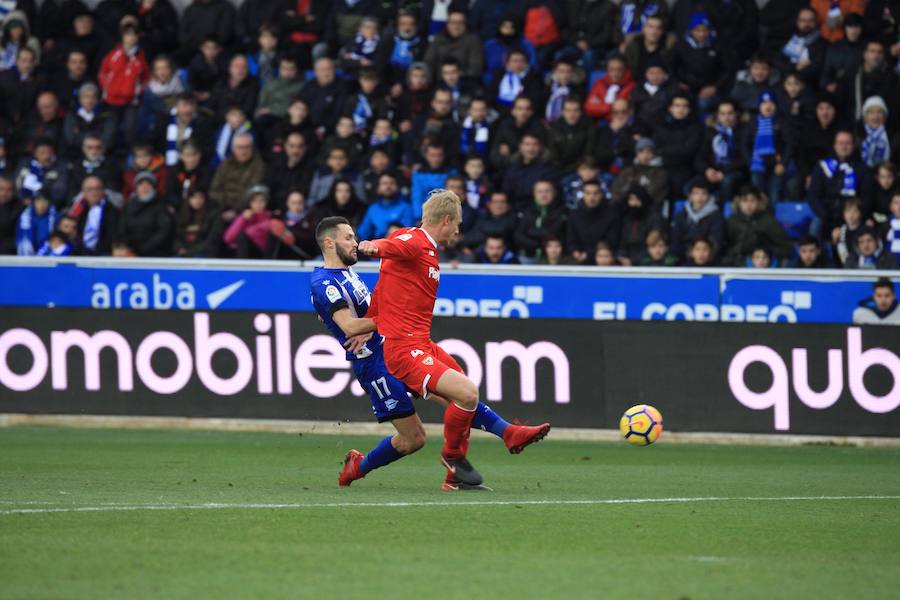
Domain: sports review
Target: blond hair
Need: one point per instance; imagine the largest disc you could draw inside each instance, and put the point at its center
(441, 203)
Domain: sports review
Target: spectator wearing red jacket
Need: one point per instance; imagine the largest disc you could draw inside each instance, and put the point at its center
(122, 77)
(124, 71)
(616, 84)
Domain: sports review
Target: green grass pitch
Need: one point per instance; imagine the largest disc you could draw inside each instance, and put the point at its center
(177, 514)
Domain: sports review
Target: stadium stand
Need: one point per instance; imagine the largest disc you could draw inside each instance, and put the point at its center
(424, 93)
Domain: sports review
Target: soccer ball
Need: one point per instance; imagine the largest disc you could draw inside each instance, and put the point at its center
(641, 425)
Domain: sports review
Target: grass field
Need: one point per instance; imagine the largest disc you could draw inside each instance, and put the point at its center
(176, 514)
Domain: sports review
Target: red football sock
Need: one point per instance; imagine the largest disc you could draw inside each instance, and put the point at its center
(457, 424)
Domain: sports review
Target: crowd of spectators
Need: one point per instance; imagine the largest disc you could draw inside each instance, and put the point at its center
(597, 132)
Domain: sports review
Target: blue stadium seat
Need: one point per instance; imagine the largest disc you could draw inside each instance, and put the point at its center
(183, 76)
(727, 209)
(594, 76)
(795, 216)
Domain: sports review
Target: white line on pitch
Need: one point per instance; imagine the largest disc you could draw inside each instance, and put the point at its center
(264, 506)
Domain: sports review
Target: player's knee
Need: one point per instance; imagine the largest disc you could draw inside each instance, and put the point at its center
(468, 397)
(418, 440)
(411, 442)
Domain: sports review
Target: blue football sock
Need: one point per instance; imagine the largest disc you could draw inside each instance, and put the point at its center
(488, 420)
(382, 454)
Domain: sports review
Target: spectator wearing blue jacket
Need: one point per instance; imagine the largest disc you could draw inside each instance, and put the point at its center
(35, 225)
(497, 47)
(389, 207)
(432, 175)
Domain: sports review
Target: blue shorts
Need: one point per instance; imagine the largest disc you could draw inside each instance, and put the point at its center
(390, 398)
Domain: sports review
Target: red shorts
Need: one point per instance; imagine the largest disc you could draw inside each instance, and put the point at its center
(418, 363)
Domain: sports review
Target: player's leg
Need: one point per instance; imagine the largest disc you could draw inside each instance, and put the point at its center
(414, 363)
(462, 395)
(516, 437)
(390, 402)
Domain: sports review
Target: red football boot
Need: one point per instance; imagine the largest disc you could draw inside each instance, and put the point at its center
(350, 472)
(517, 437)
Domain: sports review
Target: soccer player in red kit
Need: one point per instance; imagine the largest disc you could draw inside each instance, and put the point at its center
(403, 305)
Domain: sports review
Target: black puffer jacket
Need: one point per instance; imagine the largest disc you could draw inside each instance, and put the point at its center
(637, 222)
(147, 227)
(678, 142)
(587, 226)
(489, 225)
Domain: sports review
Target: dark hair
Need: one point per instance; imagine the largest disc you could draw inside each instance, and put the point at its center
(268, 28)
(807, 240)
(139, 147)
(383, 175)
(851, 201)
(750, 190)
(368, 73)
(760, 58)
(526, 99)
(192, 145)
(729, 101)
(699, 182)
(44, 141)
(680, 96)
(518, 51)
(451, 62)
(327, 228)
(654, 236)
(883, 282)
(186, 97)
(550, 237)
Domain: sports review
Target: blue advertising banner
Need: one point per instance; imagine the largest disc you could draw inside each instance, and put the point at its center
(672, 295)
(792, 300)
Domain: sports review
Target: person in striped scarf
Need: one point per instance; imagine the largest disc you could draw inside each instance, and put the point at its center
(766, 149)
(837, 176)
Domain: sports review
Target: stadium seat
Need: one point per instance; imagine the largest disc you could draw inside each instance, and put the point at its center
(795, 216)
(727, 209)
(593, 77)
(677, 207)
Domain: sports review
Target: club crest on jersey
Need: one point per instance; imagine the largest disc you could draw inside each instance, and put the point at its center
(431, 253)
(332, 293)
(428, 361)
(434, 273)
(405, 237)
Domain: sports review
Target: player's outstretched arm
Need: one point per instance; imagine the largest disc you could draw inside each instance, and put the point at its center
(351, 325)
(398, 248)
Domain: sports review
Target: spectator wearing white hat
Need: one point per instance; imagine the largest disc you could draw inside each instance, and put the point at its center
(876, 146)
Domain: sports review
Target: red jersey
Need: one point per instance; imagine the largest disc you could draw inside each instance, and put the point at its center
(403, 301)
